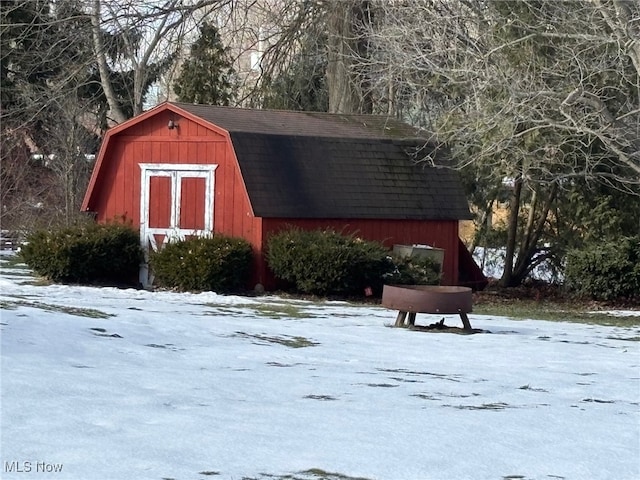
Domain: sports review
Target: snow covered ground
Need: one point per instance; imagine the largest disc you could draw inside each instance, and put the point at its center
(101, 383)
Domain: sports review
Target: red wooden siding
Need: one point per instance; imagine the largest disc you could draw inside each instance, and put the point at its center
(233, 214)
(117, 194)
(439, 234)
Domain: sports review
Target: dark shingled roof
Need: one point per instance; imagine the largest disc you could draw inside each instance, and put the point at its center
(320, 165)
(318, 124)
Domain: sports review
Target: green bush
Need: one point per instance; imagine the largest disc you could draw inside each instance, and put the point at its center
(606, 271)
(323, 262)
(414, 271)
(104, 254)
(219, 263)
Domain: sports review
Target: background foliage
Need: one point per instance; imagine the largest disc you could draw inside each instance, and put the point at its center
(607, 270)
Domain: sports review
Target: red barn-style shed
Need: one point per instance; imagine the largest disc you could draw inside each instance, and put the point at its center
(182, 169)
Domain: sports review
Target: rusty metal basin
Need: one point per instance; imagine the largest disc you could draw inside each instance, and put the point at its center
(427, 298)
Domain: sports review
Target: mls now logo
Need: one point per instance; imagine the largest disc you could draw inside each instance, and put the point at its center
(27, 467)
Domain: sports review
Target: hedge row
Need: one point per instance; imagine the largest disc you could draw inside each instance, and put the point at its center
(219, 263)
(320, 262)
(324, 262)
(104, 254)
(605, 271)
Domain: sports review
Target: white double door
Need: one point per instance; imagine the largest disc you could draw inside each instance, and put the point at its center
(176, 202)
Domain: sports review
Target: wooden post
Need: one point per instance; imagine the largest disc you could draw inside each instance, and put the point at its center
(400, 319)
(412, 318)
(465, 321)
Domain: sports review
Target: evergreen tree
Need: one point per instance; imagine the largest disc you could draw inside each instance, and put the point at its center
(206, 76)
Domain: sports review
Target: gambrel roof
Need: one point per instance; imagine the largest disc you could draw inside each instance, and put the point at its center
(321, 165)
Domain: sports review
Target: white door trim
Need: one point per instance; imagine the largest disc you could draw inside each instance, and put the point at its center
(176, 172)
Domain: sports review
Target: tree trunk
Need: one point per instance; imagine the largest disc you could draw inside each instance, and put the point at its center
(101, 58)
(512, 232)
(345, 96)
(529, 246)
(484, 227)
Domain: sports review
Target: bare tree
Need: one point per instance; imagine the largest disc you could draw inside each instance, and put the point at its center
(516, 70)
(22, 194)
(46, 75)
(539, 93)
(69, 69)
(263, 37)
(149, 36)
(347, 24)
(266, 38)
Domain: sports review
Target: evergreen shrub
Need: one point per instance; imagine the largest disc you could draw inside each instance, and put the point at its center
(605, 271)
(414, 271)
(218, 263)
(323, 262)
(102, 254)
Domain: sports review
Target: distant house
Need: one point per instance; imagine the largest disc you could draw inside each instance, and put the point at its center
(181, 169)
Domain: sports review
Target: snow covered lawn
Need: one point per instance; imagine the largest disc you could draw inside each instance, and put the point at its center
(101, 383)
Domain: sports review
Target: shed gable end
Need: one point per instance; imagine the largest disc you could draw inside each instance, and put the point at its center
(168, 125)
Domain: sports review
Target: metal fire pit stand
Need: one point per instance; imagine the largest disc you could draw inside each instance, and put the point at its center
(435, 299)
